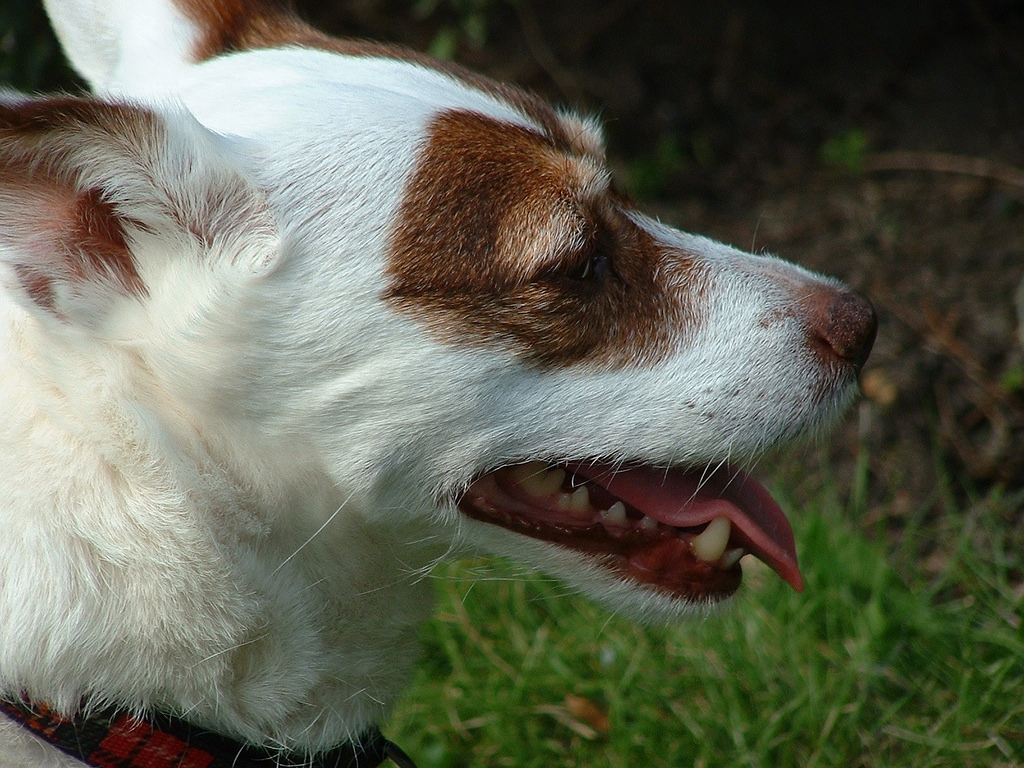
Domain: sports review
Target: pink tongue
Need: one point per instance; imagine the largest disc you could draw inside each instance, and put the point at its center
(687, 499)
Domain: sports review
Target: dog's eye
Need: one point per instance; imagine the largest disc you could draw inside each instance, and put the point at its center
(591, 266)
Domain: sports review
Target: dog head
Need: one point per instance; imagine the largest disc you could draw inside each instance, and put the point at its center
(425, 285)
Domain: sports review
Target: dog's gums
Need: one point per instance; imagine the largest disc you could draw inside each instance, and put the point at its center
(682, 531)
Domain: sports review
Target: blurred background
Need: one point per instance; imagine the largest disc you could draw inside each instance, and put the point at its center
(881, 142)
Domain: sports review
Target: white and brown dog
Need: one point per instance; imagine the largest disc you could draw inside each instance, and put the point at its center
(285, 320)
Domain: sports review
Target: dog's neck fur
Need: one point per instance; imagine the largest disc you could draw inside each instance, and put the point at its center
(136, 561)
(172, 490)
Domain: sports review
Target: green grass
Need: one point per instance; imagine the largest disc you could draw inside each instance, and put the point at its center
(862, 669)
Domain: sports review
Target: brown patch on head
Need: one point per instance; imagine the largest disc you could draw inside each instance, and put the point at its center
(506, 237)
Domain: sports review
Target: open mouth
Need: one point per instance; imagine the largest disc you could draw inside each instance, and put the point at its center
(681, 531)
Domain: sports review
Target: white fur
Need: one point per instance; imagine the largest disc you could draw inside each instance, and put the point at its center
(133, 45)
(222, 498)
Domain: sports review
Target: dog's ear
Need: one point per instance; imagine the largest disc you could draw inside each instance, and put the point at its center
(98, 200)
(133, 46)
(106, 39)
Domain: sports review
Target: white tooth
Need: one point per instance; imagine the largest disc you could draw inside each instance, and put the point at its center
(710, 544)
(536, 479)
(648, 524)
(615, 514)
(580, 499)
(731, 557)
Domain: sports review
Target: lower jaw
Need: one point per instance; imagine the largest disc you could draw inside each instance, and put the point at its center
(669, 567)
(665, 564)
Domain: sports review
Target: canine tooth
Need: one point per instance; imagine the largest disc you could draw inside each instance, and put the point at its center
(553, 480)
(710, 544)
(536, 479)
(523, 472)
(615, 514)
(731, 557)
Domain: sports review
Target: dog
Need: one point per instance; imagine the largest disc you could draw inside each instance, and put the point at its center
(286, 320)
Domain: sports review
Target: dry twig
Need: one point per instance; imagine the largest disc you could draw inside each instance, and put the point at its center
(942, 162)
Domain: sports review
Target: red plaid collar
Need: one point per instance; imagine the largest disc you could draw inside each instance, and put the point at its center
(114, 739)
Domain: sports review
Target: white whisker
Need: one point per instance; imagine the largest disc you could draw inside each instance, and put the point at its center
(316, 533)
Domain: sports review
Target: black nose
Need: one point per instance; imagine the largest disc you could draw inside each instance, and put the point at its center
(843, 324)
